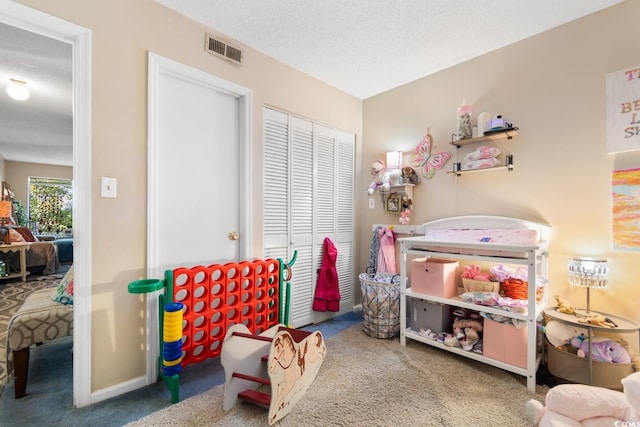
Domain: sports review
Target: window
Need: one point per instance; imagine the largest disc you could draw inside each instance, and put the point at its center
(50, 202)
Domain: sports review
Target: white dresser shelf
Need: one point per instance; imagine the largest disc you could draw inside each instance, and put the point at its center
(533, 257)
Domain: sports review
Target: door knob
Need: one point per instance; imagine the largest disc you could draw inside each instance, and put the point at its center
(234, 236)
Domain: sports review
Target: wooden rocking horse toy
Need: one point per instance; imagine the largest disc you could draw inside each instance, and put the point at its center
(286, 359)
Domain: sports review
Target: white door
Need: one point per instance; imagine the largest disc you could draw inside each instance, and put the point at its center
(198, 149)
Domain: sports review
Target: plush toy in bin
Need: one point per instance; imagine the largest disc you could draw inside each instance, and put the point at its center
(605, 350)
(560, 334)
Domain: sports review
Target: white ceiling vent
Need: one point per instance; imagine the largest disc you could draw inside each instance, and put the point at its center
(222, 49)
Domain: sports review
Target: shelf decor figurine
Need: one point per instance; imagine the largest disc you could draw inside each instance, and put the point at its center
(589, 273)
(426, 162)
(465, 126)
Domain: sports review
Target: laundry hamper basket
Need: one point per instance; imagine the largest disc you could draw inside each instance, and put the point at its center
(380, 304)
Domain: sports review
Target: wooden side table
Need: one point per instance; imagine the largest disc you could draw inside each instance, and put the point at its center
(22, 248)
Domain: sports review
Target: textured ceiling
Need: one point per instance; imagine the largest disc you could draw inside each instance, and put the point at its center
(362, 47)
(365, 47)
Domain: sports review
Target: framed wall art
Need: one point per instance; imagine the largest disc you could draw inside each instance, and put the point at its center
(393, 204)
(626, 210)
(623, 110)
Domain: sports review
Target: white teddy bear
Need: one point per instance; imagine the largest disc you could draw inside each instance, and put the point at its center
(380, 177)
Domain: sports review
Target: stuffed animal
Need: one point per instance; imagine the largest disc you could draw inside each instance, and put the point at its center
(380, 177)
(585, 405)
(635, 357)
(409, 175)
(476, 325)
(559, 333)
(635, 360)
(598, 320)
(564, 306)
(603, 351)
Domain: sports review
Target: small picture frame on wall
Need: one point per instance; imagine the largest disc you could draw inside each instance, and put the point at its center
(393, 203)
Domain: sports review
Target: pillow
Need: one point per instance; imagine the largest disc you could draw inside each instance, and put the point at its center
(15, 237)
(26, 234)
(581, 402)
(64, 291)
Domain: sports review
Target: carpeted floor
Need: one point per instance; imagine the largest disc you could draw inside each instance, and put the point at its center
(371, 382)
(49, 399)
(12, 296)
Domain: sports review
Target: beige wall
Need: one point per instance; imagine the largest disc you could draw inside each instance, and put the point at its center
(123, 32)
(17, 176)
(552, 86)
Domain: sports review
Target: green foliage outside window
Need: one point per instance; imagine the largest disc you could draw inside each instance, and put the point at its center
(50, 202)
(21, 212)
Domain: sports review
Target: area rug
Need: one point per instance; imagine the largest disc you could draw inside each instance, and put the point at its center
(12, 296)
(366, 381)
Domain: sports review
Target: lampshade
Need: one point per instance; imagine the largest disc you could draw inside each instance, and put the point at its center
(5, 209)
(18, 90)
(591, 272)
(394, 159)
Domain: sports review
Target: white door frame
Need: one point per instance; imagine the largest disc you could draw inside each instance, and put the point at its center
(160, 65)
(79, 38)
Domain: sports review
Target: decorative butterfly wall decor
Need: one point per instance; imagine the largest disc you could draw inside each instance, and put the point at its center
(426, 162)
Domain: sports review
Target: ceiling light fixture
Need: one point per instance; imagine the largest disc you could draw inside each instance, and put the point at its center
(18, 90)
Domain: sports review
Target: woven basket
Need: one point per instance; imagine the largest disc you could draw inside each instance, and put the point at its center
(471, 285)
(519, 289)
(380, 304)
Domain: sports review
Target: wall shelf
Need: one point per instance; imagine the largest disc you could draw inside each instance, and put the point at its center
(402, 229)
(506, 134)
(400, 190)
(509, 166)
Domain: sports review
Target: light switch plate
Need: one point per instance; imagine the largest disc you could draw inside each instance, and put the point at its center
(108, 187)
(372, 203)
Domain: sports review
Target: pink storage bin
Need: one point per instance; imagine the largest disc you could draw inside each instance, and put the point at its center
(435, 277)
(505, 343)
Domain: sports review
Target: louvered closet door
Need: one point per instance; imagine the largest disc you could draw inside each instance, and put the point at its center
(276, 215)
(334, 205)
(314, 163)
(345, 214)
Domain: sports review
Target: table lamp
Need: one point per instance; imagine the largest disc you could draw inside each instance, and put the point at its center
(589, 273)
(5, 214)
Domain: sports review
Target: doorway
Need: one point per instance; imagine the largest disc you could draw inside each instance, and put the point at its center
(35, 21)
(200, 216)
